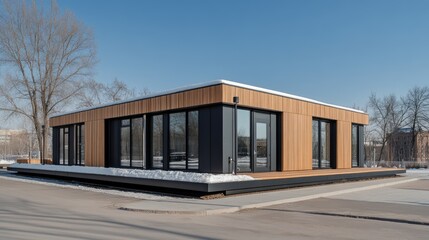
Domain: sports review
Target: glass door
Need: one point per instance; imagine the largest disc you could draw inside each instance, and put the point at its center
(261, 142)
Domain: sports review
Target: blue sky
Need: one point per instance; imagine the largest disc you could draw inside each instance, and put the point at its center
(333, 51)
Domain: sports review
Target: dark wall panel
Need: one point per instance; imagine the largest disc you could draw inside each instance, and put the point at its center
(274, 145)
(113, 138)
(216, 138)
(55, 145)
(204, 122)
(228, 139)
(334, 144)
(72, 158)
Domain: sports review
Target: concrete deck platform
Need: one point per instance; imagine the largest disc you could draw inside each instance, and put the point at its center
(263, 181)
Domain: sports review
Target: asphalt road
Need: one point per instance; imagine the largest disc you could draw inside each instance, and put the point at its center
(33, 211)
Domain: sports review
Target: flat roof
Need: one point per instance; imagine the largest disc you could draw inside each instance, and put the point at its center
(207, 84)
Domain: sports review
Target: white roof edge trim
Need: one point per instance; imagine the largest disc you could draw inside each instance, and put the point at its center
(207, 84)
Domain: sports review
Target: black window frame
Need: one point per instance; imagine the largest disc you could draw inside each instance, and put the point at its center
(79, 144)
(73, 134)
(355, 127)
(130, 126)
(359, 145)
(64, 131)
(166, 140)
(332, 145)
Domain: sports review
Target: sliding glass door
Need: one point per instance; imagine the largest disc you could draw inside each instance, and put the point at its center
(253, 141)
(323, 139)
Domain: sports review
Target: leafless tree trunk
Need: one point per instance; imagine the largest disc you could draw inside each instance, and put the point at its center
(47, 54)
(387, 116)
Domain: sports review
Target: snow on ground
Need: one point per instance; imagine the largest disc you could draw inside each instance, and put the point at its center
(2, 161)
(138, 173)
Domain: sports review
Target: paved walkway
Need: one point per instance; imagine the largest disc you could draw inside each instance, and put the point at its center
(257, 200)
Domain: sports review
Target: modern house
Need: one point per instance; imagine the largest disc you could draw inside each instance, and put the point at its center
(204, 128)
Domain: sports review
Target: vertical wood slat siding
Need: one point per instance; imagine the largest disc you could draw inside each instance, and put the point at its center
(296, 123)
(94, 143)
(297, 142)
(296, 126)
(191, 98)
(344, 144)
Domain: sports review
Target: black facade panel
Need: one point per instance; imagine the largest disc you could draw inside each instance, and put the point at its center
(166, 140)
(204, 122)
(228, 139)
(273, 124)
(361, 154)
(113, 138)
(55, 145)
(334, 143)
(72, 158)
(216, 137)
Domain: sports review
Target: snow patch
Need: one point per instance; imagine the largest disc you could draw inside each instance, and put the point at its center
(144, 174)
(2, 161)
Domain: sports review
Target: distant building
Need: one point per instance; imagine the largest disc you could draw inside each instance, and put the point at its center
(7, 135)
(400, 146)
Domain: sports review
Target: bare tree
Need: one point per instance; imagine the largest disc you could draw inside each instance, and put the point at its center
(387, 116)
(417, 101)
(47, 54)
(96, 93)
(118, 91)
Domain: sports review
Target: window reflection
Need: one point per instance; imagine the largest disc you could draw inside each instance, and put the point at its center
(315, 130)
(177, 141)
(125, 143)
(321, 143)
(355, 145)
(243, 140)
(157, 141)
(193, 157)
(137, 143)
(261, 145)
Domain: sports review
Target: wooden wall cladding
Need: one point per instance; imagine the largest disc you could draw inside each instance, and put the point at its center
(297, 142)
(344, 144)
(94, 143)
(191, 98)
(256, 99)
(297, 125)
(297, 115)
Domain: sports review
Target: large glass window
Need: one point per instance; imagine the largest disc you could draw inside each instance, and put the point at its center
(177, 141)
(71, 149)
(261, 145)
(61, 159)
(325, 145)
(80, 144)
(193, 157)
(66, 146)
(157, 141)
(183, 141)
(125, 143)
(132, 145)
(137, 140)
(243, 140)
(316, 157)
(355, 145)
(322, 141)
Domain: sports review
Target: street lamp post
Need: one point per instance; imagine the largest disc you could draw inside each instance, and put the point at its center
(236, 100)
